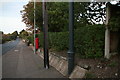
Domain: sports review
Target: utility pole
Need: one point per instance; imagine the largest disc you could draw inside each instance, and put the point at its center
(71, 38)
(45, 29)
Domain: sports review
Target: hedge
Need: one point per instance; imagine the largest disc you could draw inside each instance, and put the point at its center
(58, 40)
(88, 41)
(8, 37)
(31, 39)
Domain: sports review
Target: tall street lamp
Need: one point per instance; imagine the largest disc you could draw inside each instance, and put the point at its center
(71, 38)
(45, 30)
(34, 28)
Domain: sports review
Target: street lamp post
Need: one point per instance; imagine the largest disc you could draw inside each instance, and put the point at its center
(45, 29)
(34, 28)
(71, 38)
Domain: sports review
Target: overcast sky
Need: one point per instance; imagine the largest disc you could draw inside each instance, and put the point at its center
(10, 17)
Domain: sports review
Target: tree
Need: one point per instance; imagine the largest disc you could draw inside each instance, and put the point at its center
(80, 14)
(57, 16)
(28, 15)
(90, 13)
(14, 35)
(96, 12)
(23, 34)
(85, 13)
(22, 31)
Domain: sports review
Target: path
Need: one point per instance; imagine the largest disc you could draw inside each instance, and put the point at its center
(21, 62)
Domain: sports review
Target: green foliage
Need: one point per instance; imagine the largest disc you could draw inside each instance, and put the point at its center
(31, 39)
(58, 40)
(14, 35)
(89, 41)
(58, 15)
(6, 38)
(23, 34)
(28, 14)
(96, 12)
(9, 37)
(114, 22)
(41, 37)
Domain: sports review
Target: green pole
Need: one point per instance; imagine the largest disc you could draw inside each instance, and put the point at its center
(71, 38)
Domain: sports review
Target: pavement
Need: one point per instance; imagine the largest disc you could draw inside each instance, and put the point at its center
(21, 62)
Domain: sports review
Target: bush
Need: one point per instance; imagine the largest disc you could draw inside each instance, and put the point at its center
(31, 39)
(88, 41)
(6, 38)
(41, 39)
(58, 40)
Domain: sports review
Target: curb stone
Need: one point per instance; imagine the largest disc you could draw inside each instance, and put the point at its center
(78, 72)
(60, 64)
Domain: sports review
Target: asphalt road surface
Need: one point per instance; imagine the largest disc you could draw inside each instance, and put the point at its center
(9, 45)
(21, 62)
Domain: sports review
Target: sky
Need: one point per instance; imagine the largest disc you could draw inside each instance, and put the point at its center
(10, 17)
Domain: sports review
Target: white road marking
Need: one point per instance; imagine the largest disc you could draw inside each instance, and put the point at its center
(16, 50)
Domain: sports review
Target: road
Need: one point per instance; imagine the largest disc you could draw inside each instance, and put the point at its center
(9, 45)
(21, 62)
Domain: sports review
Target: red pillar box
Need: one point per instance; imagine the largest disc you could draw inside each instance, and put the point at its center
(37, 43)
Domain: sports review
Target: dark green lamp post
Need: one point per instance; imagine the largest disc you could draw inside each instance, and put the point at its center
(71, 38)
